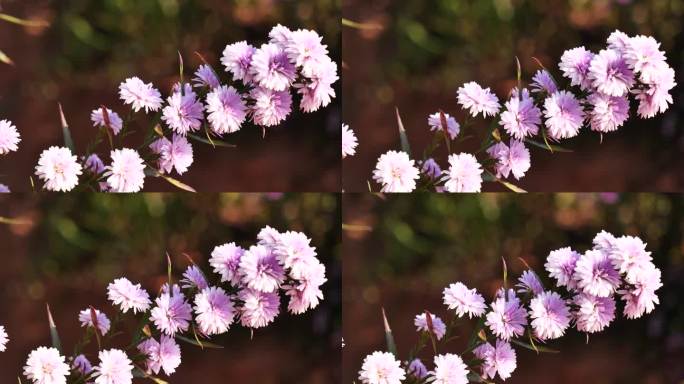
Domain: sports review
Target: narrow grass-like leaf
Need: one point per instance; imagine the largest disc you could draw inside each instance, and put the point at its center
(490, 177)
(356, 228)
(213, 142)
(8, 221)
(357, 25)
(5, 59)
(168, 269)
(178, 184)
(536, 348)
(389, 337)
(54, 335)
(517, 62)
(180, 70)
(68, 141)
(505, 272)
(23, 22)
(405, 146)
(549, 147)
(198, 343)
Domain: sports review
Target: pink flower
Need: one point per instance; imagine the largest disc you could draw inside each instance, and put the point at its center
(225, 259)
(604, 242)
(450, 369)
(349, 141)
(644, 56)
(608, 113)
(435, 123)
(304, 49)
(98, 119)
(499, 359)
(271, 68)
(610, 74)
(507, 318)
(127, 296)
(293, 250)
(561, 266)
(543, 82)
(237, 58)
(477, 100)
(305, 293)
(3, 339)
(465, 301)
(596, 275)
(438, 326)
(381, 368)
(270, 107)
(261, 270)
(269, 237)
(46, 366)
(464, 174)
(140, 95)
(640, 296)
(629, 256)
(550, 315)
(226, 110)
(174, 153)
(86, 319)
(575, 66)
(259, 308)
(514, 159)
(317, 91)
(164, 354)
(172, 313)
(593, 313)
(655, 97)
(529, 282)
(521, 117)
(127, 172)
(396, 172)
(564, 115)
(193, 278)
(59, 168)
(618, 41)
(280, 35)
(184, 113)
(206, 77)
(9, 137)
(115, 368)
(215, 311)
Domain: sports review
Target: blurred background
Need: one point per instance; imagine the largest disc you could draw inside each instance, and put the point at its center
(93, 45)
(400, 253)
(69, 248)
(422, 51)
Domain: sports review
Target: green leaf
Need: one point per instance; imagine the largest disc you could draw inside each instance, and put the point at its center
(389, 337)
(5, 59)
(138, 372)
(53, 330)
(402, 135)
(178, 184)
(490, 177)
(357, 25)
(23, 22)
(213, 142)
(202, 344)
(68, 141)
(549, 147)
(534, 347)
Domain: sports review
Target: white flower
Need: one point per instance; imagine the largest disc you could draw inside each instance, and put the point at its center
(46, 366)
(381, 368)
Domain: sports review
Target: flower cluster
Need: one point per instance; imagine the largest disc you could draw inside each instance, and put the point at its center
(585, 294)
(250, 284)
(597, 96)
(263, 84)
(9, 140)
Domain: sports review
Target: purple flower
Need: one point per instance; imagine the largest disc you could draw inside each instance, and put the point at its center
(435, 123)
(86, 319)
(542, 81)
(396, 172)
(271, 68)
(655, 98)
(514, 159)
(206, 77)
(640, 297)
(438, 326)
(500, 359)
(575, 66)
(561, 266)
(269, 237)
(193, 278)
(417, 369)
(507, 318)
(4, 188)
(449, 369)
(608, 113)
(463, 300)
(115, 122)
(59, 168)
(82, 365)
(618, 41)
(114, 368)
(175, 153)
(550, 315)
(261, 270)
(225, 259)
(173, 313)
(280, 35)
(226, 109)
(164, 354)
(140, 95)
(237, 58)
(317, 91)
(127, 172)
(610, 74)
(529, 282)
(629, 256)
(9, 137)
(564, 115)
(478, 100)
(94, 164)
(127, 296)
(593, 313)
(349, 141)
(431, 169)
(215, 311)
(294, 250)
(595, 274)
(259, 308)
(521, 117)
(305, 292)
(644, 56)
(381, 368)
(184, 113)
(604, 242)
(270, 107)
(464, 174)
